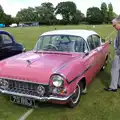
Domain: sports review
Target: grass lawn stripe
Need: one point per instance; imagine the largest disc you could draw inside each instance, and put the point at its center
(24, 116)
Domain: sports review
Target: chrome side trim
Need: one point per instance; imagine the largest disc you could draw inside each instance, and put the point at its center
(65, 64)
(56, 98)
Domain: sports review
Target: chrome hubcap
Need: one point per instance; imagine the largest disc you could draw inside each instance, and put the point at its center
(76, 95)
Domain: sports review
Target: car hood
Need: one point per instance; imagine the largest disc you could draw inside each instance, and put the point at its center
(35, 67)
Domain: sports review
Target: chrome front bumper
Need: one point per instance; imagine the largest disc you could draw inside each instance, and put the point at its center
(54, 98)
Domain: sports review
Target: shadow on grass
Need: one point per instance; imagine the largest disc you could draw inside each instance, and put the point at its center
(44, 105)
(38, 104)
(105, 78)
(49, 105)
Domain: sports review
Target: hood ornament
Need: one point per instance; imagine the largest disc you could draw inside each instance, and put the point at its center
(28, 61)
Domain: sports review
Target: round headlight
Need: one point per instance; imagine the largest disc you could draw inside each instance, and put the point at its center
(57, 80)
(40, 90)
(4, 84)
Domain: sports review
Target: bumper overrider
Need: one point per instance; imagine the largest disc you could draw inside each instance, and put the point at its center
(50, 98)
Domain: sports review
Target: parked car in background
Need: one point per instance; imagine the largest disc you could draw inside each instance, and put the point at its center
(2, 25)
(8, 45)
(57, 70)
(13, 25)
(28, 24)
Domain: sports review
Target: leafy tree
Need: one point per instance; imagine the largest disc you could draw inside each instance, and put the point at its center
(67, 10)
(110, 12)
(94, 15)
(104, 12)
(4, 18)
(7, 19)
(26, 15)
(16, 20)
(1, 14)
(45, 13)
(78, 17)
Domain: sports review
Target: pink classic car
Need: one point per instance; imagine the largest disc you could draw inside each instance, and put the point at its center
(57, 70)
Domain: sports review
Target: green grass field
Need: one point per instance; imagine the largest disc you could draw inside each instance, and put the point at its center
(96, 105)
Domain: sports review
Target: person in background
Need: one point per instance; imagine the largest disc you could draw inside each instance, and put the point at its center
(115, 70)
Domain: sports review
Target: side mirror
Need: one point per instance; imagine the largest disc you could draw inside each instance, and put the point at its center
(110, 41)
(103, 40)
(86, 52)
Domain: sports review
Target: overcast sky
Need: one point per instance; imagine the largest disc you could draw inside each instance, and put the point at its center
(13, 6)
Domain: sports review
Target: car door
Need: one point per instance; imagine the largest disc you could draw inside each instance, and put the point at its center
(99, 55)
(89, 58)
(6, 44)
(1, 47)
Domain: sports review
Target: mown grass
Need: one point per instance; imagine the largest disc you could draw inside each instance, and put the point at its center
(96, 105)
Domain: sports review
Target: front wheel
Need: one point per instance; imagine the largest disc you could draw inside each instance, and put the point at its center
(76, 96)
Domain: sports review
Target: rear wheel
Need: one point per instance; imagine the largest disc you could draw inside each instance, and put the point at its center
(74, 101)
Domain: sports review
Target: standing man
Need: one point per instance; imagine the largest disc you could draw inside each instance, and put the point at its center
(115, 70)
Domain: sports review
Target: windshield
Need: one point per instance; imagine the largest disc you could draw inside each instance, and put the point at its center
(63, 43)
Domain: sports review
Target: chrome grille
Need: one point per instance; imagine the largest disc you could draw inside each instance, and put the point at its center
(25, 87)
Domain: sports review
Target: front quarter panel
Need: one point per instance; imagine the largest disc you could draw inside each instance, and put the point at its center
(72, 73)
(72, 69)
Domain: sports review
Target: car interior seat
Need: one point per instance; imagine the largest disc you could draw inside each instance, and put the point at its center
(67, 45)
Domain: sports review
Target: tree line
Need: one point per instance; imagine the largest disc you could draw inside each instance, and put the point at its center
(46, 14)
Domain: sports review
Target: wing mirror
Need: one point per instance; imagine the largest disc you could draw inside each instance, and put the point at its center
(103, 40)
(86, 52)
(110, 41)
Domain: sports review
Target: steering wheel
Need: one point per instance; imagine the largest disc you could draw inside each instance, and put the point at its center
(49, 46)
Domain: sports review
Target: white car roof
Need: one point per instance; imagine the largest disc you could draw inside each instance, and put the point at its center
(82, 33)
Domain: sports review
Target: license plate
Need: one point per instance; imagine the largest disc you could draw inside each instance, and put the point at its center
(22, 100)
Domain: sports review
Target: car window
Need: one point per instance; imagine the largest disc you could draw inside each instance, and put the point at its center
(81, 45)
(91, 43)
(63, 43)
(6, 39)
(1, 40)
(96, 40)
